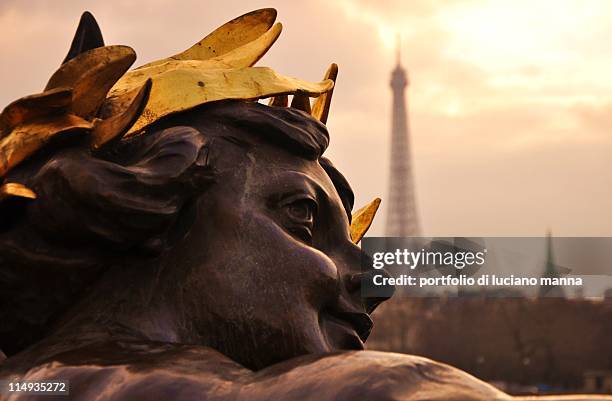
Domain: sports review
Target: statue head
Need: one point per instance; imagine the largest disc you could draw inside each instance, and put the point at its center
(214, 218)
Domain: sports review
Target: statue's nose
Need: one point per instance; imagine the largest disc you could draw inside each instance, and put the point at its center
(359, 280)
(356, 282)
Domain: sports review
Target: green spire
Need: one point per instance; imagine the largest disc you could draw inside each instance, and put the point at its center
(550, 271)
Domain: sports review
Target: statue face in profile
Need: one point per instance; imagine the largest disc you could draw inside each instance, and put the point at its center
(231, 223)
(268, 270)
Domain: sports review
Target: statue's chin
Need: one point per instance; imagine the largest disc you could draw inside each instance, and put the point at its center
(340, 334)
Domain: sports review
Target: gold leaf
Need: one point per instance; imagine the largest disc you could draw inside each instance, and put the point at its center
(116, 125)
(71, 72)
(27, 138)
(248, 54)
(320, 110)
(227, 37)
(91, 75)
(34, 106)
(13, 189)
(182, 89)
(362, 220)
(244, 56)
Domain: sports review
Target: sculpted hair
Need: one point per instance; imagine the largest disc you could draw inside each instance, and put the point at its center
(131, 201)
(91, 209)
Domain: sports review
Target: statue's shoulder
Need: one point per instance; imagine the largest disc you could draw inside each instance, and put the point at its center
(132, 370)
(135, 370)
(374, 375)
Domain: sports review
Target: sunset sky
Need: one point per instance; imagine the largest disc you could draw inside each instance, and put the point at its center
(510, 101)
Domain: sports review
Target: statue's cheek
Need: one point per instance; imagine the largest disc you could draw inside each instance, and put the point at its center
(320, 279)
(292, 264)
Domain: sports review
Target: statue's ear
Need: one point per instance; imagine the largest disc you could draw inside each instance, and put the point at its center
(87, 36)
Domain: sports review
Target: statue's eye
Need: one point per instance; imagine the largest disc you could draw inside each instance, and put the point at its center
(300, 215)
(302, 210)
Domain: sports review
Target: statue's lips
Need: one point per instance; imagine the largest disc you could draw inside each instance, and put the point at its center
(356, 323)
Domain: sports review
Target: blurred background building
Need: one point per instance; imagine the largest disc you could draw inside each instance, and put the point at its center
(402, 218)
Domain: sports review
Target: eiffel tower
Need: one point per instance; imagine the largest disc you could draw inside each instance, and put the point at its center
(402, 218)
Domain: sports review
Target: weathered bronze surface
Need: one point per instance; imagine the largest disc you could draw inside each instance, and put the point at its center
(210, 258)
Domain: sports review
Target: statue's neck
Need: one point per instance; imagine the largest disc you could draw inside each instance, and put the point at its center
(127, 303)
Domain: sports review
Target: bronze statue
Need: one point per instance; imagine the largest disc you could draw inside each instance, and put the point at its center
(164, 236)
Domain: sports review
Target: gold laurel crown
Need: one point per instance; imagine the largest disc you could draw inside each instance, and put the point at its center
(93, 92)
